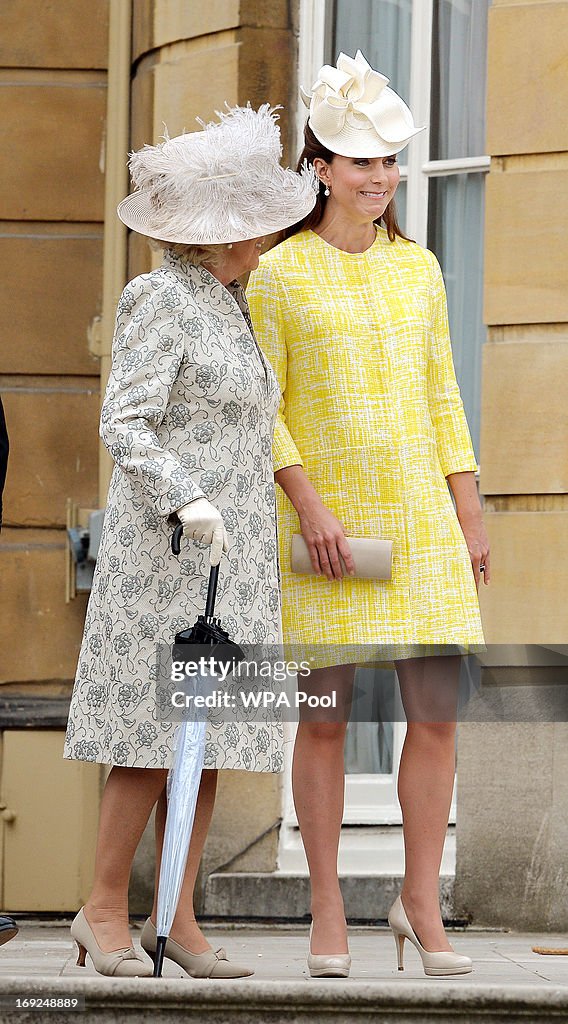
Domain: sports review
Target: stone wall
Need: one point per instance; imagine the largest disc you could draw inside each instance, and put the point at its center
(53, 79)
(512, 778)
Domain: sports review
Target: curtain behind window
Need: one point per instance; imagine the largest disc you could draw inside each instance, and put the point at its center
(381, 30)
(455, 207)
(459, 47)
(455, 234)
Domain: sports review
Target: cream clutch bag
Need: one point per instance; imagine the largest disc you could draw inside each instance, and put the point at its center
(372, 557)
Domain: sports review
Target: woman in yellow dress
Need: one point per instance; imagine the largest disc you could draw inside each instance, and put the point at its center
(371, 432)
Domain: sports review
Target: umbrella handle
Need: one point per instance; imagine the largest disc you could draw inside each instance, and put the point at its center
(211, 591)
(213, 575)
(176, 539)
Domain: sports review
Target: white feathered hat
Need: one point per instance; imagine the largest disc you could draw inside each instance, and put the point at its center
(222, 184)
(353, 113)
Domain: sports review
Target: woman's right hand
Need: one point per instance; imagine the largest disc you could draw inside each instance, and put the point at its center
(202, 521)
(325, 537)
(322, 531)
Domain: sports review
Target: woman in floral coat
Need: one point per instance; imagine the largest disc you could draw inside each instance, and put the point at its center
(188, 418)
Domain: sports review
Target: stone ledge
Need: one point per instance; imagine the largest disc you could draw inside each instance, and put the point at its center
(245, 1002)
(18, 711)
(255, 895)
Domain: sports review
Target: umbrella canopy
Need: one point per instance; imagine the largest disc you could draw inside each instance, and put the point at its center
(183, 787)
(185, 773)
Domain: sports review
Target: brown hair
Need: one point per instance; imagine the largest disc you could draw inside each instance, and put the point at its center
(313, 148)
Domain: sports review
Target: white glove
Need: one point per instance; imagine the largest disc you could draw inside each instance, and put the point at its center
(202, 521)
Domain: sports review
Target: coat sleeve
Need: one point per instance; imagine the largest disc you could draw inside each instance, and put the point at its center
(455, 449)
(147, 353)
(265, 304)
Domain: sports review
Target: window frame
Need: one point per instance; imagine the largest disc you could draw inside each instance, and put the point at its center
(316, 21)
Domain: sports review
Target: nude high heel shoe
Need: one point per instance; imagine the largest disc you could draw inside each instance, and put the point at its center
(434, 964)
(325, 965)
(210, 964)
(119, 963)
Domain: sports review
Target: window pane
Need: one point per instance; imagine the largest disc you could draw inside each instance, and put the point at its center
(368, 748)
(369, 744)
(455, 234)
(459, 58)
(400, 200)
(381, 30)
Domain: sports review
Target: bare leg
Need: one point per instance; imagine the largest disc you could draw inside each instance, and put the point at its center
(128, 798)
(185, 929)
(318, 786)
(429, 688)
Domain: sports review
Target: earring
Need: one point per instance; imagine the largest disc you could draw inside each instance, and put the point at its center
(229, 245)
(326, 191)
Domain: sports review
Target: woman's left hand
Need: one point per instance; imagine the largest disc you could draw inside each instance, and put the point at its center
(478, 545)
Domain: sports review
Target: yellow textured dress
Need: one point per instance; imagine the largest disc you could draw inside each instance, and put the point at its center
(372, 410)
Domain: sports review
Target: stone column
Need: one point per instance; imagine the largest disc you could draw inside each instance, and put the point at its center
(513, 778)
(53, 72)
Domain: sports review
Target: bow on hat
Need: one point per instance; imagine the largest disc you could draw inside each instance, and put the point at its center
(353, 94)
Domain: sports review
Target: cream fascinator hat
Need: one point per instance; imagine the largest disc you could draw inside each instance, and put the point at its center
(353, 113)
(222, 184)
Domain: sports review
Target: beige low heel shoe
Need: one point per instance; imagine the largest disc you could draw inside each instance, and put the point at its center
(328, 965)
(119, 963)
(210, 964)
(434, 964)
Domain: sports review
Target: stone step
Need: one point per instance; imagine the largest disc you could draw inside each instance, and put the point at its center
(168, 1001)
(269, 896)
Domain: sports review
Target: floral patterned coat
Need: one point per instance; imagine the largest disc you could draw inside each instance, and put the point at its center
(189, 412)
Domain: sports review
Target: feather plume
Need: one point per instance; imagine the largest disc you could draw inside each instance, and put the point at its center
(224, 182)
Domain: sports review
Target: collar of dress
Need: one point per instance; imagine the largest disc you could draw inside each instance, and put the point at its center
(192, 271)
